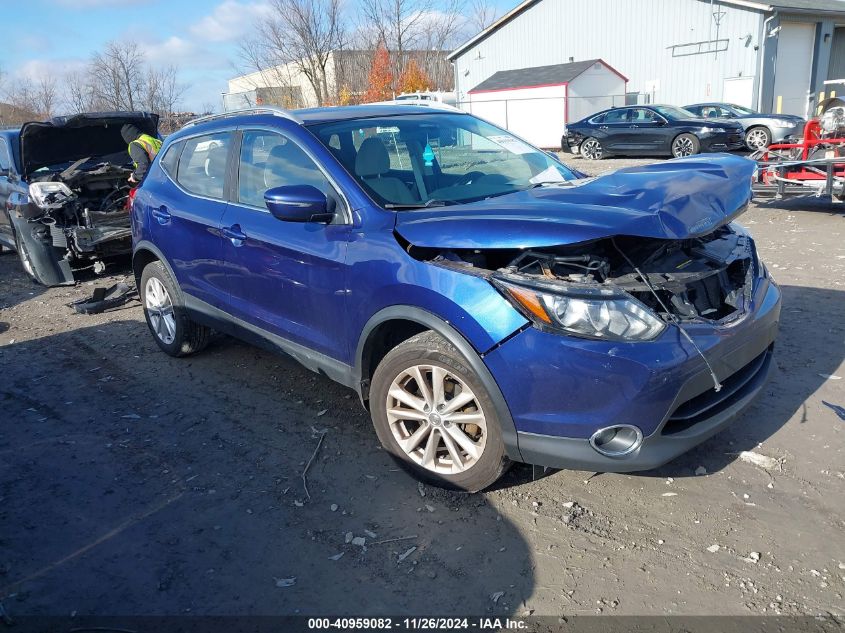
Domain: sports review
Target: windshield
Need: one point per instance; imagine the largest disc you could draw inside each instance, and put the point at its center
(672, 112)
(437, 159)
(741, 110)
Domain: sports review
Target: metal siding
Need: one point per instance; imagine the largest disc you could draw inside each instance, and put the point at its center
(836, 70)
(632, 36)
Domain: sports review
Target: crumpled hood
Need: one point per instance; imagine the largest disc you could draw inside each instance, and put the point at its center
(69, 138)
(675, 199)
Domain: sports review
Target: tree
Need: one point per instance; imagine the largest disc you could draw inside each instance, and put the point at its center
(117, 74)
(345, 96)
(380, 81)
(300, 34)
(427, 26)
(414, 78)
(482, 14)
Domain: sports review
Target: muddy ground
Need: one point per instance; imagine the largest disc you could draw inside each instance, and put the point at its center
(134, 483)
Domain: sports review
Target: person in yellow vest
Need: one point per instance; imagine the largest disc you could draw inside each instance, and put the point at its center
(142, 149)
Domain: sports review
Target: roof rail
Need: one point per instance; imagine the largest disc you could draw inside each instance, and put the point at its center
(275, 111)
(426, 103)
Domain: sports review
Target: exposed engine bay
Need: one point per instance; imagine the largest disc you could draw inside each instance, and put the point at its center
(83, 210)
(706, 278)
(832, 123)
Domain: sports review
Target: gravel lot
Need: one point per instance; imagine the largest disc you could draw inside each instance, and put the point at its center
(133, 483)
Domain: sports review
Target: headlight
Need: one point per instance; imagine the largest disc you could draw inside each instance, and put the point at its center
(49, 195)
(782, 123)
(712, 130)
(582, 310)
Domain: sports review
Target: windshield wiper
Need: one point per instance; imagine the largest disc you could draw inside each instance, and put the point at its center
(419, 205)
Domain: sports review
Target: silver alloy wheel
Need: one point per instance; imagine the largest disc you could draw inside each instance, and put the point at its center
(160, 309)
(436, 419)
(591, 149)
(757, 138)
(682, 146)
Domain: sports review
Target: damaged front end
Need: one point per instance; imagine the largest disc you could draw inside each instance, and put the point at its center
(620, 288)
(81, 213)
(71, 211)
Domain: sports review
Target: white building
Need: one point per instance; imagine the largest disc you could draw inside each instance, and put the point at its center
(534, 103)
(773, 55)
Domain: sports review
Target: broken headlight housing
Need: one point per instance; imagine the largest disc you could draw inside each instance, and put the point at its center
(49, 195)
(588, 311)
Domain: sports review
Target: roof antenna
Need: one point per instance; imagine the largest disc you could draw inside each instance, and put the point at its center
(716, 384)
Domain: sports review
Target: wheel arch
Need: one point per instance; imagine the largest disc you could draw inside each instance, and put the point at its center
(144, 254)
(395, 324)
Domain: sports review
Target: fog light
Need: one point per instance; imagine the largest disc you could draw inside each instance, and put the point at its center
(616, 441)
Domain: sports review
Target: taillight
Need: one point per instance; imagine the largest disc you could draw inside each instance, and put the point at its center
(131, 198)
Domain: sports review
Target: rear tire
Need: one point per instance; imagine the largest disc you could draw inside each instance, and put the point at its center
(445, 432)
(685, 145)
(591, 149)
(174, 332)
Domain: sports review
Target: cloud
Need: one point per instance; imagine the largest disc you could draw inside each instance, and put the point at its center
(229, 21)
(93, 4)
(36, 69)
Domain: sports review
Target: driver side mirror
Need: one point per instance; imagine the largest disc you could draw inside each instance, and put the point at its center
(298, 203)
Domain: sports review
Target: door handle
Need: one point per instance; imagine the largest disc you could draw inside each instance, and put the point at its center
(162, 215)
(234, 234)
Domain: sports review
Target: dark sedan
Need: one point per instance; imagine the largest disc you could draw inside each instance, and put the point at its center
(760, 129)
(658, 130)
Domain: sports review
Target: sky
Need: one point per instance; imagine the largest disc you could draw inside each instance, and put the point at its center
(201, 37)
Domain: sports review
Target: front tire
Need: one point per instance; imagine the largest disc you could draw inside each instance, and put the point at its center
(685, 145)
(757, 138)
(433, 415)
(591, 149)
(174, 332)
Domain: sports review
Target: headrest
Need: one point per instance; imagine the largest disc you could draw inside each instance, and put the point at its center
(372, 158)
(215, 162)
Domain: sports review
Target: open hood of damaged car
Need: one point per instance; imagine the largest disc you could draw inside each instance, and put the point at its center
(69, 138)
(675, 199)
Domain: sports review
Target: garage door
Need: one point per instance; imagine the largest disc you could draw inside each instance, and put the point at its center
(794, 67)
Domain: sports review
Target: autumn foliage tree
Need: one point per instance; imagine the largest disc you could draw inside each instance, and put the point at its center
(380, 81)
(414, 78)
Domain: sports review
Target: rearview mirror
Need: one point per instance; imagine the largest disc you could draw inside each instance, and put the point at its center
(298, 203)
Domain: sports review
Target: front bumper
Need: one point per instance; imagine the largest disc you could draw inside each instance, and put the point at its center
(723, 141)
(781, 134)
(560, 389)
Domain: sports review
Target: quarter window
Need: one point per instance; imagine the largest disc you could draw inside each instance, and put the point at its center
(202, 165)
(271, 160)
(170, 160)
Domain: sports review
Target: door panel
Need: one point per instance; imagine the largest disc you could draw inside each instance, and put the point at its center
(288, 278)
(185, 220)
(646, 132)
(613, 131)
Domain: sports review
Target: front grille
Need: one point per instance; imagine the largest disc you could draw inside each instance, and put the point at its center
(704, 406)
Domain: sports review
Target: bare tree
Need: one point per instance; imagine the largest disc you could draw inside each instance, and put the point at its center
(300, 34)
(481, 15)
(46, 95)
(79, 92)
(116, 75)
(161, 93)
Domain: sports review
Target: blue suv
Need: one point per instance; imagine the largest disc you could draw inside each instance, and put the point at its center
(486, 302)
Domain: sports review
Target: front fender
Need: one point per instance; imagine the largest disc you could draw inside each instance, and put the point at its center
(436, 324)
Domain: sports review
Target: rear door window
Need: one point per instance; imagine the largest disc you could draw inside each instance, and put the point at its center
(616, 116)
(202, 164)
